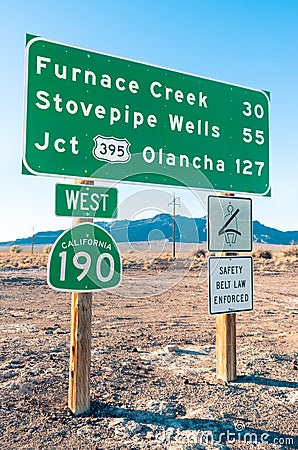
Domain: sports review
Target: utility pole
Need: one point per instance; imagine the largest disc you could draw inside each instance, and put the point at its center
(174, 203)
(32, 245)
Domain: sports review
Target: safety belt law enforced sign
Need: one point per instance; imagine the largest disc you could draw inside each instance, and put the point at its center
(230, 284)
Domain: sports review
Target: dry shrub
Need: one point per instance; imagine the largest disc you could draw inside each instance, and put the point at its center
(291, 251)
(25, 265)
(47, 248)
(264, 254)
(15, 249)
(147, 264)
(200, 252)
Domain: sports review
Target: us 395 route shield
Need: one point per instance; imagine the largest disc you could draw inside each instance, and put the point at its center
(93, 115)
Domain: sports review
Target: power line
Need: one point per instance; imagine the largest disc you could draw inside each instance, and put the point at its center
(32, 244)
(174, 203)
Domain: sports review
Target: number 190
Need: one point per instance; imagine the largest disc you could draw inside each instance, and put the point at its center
(86, 264)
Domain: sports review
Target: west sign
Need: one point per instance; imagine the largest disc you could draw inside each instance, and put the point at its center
(92, 115)
(79, 200)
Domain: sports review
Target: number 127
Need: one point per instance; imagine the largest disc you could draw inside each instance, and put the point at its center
(247, 167)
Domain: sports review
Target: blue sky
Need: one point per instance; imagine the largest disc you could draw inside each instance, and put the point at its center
(248, 43)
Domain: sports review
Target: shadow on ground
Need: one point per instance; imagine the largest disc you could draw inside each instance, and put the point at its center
(267, 381)
(219, 432)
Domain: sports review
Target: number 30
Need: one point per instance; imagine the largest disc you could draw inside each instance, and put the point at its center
(258, 110)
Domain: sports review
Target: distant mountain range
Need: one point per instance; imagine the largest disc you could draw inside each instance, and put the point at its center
(160, 227)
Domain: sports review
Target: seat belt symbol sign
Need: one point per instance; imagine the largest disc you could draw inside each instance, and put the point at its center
(230, 227)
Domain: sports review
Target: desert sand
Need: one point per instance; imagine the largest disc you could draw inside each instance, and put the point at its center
(144, 396)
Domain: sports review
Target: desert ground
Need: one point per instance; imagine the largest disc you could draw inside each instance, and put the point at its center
(153, 380)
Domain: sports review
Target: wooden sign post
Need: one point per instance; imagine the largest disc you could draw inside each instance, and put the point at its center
(230, 275)
(226, 347)
(77, 265)
(226, 341)
(80, 344)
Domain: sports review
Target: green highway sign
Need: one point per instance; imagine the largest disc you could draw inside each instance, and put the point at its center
(79, 200)
(84, 258)
(92, 115)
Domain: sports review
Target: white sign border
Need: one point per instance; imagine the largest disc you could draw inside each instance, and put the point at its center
(30, 39)
(82, 290)
(252, 285)
(209, 225)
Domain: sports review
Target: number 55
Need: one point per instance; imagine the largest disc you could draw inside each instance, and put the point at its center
(248, 137)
